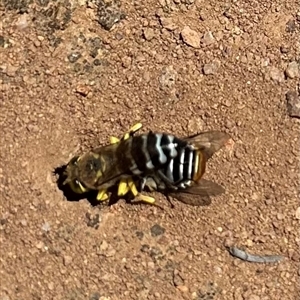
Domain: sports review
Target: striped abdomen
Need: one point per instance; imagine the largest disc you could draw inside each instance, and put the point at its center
(179, 162)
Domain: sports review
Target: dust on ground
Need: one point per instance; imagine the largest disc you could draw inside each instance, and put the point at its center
(74, 73)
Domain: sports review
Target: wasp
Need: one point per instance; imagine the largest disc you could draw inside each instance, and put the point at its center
(157, 161)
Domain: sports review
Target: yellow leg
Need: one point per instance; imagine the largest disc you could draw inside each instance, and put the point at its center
(114, 140)
(102, 195)
(123, 188)
(146, 199)
(126, 185)
(136, 127)
(132, 187)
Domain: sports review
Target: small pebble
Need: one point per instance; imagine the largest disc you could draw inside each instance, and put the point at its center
(73, 57)
(291, 26)
(208, 39)
(210, 69)
(168, 23)
(182, 288)
(293, 104)
(67, 260)
(103, 246)
(292, 70)
(157, 230)
(82, 90)
(298, 213)
(148, 34)
(190, 37)
(39, 245)
(46, 227)
(276, 75)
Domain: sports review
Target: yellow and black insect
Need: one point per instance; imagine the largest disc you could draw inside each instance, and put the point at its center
(158, 161)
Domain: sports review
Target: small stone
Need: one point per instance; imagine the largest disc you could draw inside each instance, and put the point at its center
(82, 90)
(157, 230)
(11, 70)
(280, 216)
(293, 104)
(73, 57)
(139, 235)
(167, 78)
(23, 222)
(276, 75)
(39, 245)
(298, 213)
(211, 68)
(190, 37)
(292, 70)
(104, 246)
(46, 227)
(51, 286)
(111, 252)
(182, 288)
(148, 34)
(220, 229)
(67, 260)
(284, 49)
(126, 61)
(22, 22)
(177, 279)
(291, 26)
(208, 39)
(168, 23)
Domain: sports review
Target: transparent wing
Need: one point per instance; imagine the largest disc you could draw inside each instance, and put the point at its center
(209, 142)
(199, 194)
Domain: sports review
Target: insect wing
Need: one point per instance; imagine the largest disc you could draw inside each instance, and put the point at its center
(209, 142)
(199, 194)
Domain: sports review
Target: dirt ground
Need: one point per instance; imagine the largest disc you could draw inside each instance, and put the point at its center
(181, 66)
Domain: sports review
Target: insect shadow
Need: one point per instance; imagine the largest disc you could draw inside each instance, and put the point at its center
(91, 196)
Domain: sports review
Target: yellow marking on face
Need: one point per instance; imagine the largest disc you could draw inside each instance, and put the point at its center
(76, 188)
(98, 174)
(102, 195)
(82, 188)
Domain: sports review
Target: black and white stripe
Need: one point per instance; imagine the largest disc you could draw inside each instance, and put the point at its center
(173, 157)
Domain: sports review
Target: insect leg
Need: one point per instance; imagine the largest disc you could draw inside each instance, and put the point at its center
(102, 195)
(136, 127)
(126, 184)
(114, 140)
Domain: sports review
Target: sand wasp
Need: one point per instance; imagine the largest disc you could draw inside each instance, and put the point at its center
(157, 161)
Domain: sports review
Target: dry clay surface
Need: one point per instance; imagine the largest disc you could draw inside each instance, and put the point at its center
(70, 79)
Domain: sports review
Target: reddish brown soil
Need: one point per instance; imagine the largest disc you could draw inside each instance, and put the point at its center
(53, 107)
